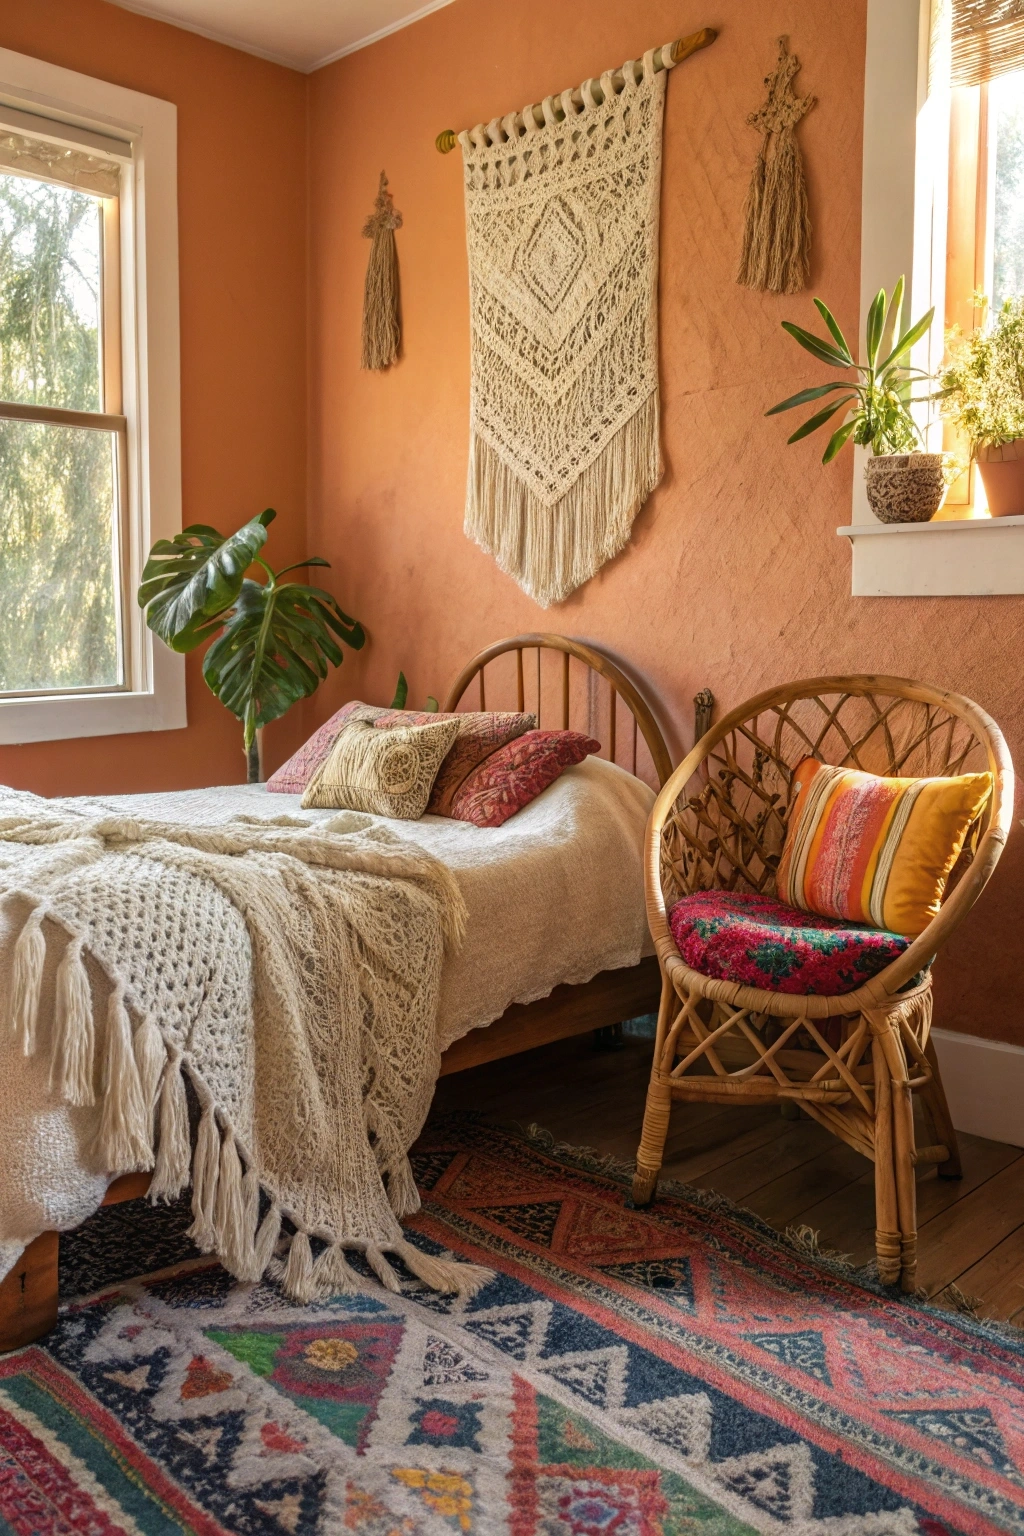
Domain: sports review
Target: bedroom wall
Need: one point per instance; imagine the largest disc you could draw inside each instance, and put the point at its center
(241, 148)
(734, 578)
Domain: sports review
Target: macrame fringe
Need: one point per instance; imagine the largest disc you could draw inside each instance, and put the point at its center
(552, 550)
(266, 1238)
(124, 1141)
(72, 1064)
(382, 332)
(449, 1276)
(382, 1269)
(27, 980)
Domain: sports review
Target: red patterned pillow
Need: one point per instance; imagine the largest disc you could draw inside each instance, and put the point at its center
(514, 775)
(293, 776)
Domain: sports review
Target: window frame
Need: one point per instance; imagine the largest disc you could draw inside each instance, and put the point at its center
(145, 319)
(904, 220)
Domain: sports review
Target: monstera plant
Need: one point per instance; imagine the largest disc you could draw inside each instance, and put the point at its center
(273, 640)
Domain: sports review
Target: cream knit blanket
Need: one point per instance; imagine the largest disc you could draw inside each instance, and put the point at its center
(315, 1066)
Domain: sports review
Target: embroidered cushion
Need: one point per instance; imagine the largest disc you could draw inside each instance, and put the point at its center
(293, 776)
(390, 773)
(760, 942)
(875, 850)
(480, 733)
(516, 774)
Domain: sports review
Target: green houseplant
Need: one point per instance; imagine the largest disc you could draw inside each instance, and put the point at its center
(983, 396)
(874, 406)
(273, 640)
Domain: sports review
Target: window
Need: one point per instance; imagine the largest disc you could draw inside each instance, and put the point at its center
(90, 470)
(62, 434)
(923, 215)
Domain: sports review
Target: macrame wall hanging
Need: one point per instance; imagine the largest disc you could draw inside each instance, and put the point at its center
(382, 329)
(777, 227)
(562, 205)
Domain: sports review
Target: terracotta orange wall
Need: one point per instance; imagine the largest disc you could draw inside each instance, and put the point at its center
(735, 578)
(242, 221)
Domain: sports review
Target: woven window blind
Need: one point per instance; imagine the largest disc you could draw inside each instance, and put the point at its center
(987, 39)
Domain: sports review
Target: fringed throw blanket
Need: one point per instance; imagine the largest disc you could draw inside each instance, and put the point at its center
(562, 228)
(290, 972)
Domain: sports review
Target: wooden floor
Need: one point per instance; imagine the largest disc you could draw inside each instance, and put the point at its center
(792, 1173)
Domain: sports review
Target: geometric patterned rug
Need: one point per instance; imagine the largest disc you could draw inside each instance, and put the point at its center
(666, 1372)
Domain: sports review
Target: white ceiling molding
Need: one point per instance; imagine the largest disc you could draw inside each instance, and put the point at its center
(300, 34)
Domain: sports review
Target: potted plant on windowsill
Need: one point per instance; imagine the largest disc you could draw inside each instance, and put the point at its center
(904, 485)
(983, 396)
(272, 640)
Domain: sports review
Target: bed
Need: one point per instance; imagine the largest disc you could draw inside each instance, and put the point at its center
(518, 980)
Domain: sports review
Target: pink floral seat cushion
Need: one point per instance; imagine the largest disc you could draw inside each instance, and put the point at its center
(760, 942)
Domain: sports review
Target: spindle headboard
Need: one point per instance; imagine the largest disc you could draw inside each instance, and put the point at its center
(555, 696)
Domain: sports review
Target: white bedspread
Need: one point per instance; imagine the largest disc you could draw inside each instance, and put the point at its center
(553, 896)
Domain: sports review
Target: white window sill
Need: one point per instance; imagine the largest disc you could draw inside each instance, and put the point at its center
(976, 557)
(61, 717)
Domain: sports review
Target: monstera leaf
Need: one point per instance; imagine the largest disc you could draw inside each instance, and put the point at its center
(275, 649)
(194, 577)
(273, 641)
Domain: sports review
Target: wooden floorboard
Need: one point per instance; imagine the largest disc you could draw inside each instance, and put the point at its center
(792, 1173)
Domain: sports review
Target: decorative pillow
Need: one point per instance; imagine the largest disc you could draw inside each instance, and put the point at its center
(759, 942)
(875, 850)
(514, 775)
(480, 734)
(293, 776)
(390, 773)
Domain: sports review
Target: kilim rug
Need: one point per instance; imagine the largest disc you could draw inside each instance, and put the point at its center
(678, 1371)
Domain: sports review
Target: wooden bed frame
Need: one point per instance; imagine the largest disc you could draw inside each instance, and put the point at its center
(28, 1295)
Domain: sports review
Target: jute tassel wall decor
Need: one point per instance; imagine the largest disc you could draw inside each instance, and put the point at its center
(777, 230)
(382, 331)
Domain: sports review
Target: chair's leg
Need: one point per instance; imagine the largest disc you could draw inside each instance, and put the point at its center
(934, 1097)
(894, 1065)
(28, 1296)
(887, 1232)
(658, 1109)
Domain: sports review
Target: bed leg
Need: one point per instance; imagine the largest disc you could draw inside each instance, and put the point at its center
(28, 1296)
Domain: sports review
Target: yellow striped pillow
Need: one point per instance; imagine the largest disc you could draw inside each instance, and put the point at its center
(875, 850)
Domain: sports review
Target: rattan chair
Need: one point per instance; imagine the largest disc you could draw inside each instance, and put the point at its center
(853, 1061)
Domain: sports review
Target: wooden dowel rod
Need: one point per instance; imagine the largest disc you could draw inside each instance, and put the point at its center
(664, 58)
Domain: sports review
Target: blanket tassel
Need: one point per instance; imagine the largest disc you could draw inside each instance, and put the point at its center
(205, 1173)
(382, 1269)
(150, 1059)
(27, 980)
(332, 1273)
(234, 1233)
(266, 1239)
(175, 1149)
(298, 1275)
(448, 1276)
(124, 1141)
(74, 1043)
(403, 1196)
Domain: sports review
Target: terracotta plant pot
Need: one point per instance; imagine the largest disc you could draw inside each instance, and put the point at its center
(1002, 474)
(905, 487)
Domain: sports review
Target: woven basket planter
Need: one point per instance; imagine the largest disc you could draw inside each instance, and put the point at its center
(1002, 472)
(905, 487)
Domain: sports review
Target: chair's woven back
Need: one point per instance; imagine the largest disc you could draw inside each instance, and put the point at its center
(728, 825)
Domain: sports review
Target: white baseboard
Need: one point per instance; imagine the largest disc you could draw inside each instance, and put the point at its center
(984, 1083)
